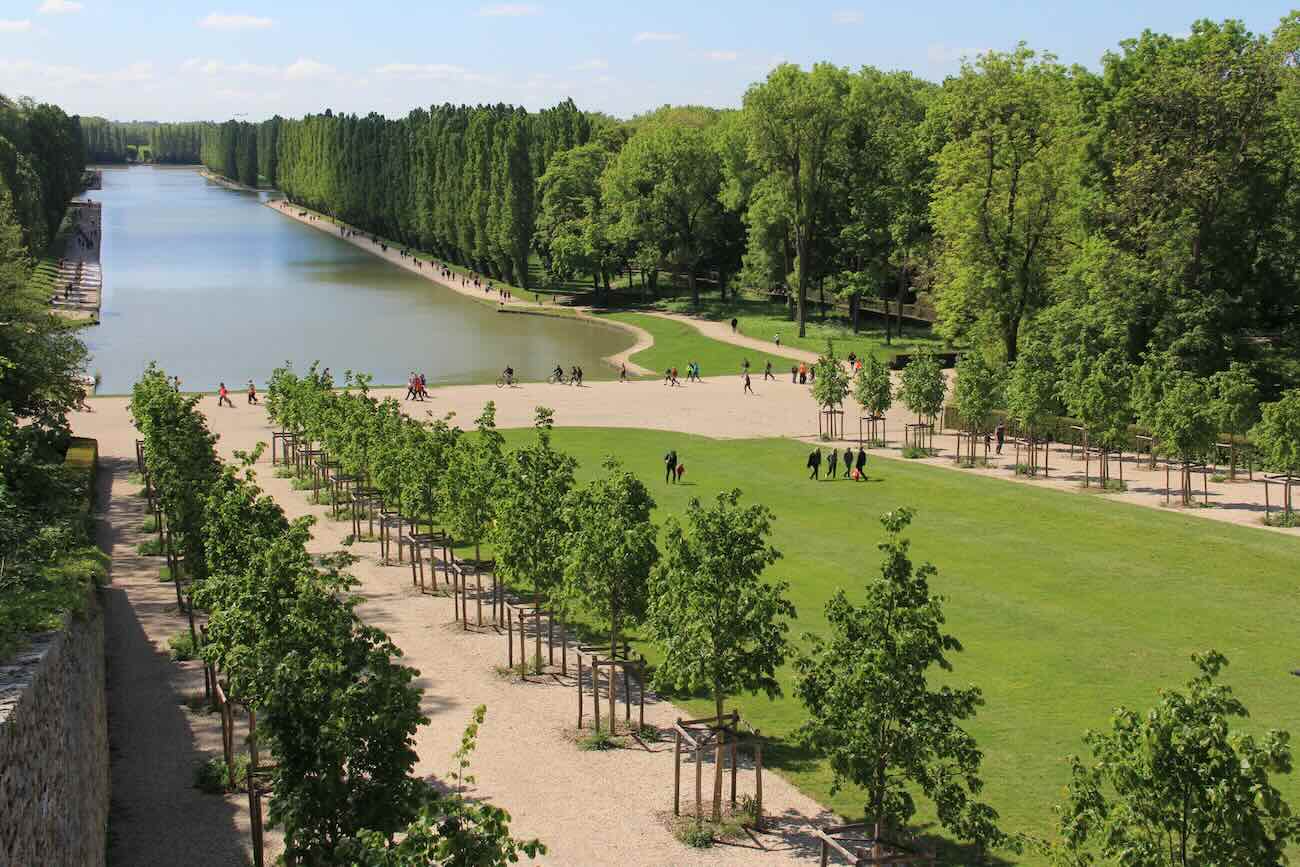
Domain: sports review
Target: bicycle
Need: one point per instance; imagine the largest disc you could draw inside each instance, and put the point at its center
(557, 379)
(503, 381)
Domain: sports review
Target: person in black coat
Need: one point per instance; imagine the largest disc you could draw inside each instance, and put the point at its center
(815, 463)
(862, 464)
(670, 466)
(831, 460)
(848, 461)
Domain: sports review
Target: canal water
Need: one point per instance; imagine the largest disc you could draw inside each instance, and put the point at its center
(217, 287)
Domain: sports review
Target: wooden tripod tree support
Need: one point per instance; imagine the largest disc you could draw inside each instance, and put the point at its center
(366, 504)
(863, 845)
(256, 771)
(1287, 481)
(439, 548)
(1033, 447)
(286, 440)
(697, 736)
(966, 445)
(829, 420)
(920, 435)
(871, 429)
(518, 614)
(625, 660)
(462, 571)
(1185, 470)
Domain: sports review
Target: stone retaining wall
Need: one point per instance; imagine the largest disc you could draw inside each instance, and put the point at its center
(54, 783)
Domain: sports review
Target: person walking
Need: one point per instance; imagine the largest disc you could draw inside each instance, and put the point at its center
(410, 386)
(815, 463)
(734, 323)
(862, 464)
(749, 386)
(794, 374)
(831, 460)
(622, 372)
(670, 466)
(848, 461)
(252, 392)
(223, 397)
(777, 339)
(424, 391)
(767, 372)
(1001, 432)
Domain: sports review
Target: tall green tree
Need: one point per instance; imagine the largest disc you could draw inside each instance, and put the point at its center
(721, 627)
(873, 707)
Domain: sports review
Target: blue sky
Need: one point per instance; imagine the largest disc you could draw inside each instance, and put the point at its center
(188, 60)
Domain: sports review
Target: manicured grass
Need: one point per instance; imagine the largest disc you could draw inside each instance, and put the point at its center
(765, 319)
(677, 344)
(1067, 606)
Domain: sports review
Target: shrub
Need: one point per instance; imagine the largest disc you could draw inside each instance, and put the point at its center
(599, 740)
(151, 547)
(183, 647)
(694, 833)
(215, 777)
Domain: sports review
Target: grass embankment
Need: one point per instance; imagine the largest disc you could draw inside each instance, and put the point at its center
(679, 343)
(1067, 606)
(37, 602)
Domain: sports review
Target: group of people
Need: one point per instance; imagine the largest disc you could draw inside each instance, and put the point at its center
(803, 373)
(415, 387)
(674, 469)
(854, 467)
(223, 393)
(670, 375)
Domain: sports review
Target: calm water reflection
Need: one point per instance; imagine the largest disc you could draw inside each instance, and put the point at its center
(214, 286)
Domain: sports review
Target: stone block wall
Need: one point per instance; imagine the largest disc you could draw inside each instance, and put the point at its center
(54, 784)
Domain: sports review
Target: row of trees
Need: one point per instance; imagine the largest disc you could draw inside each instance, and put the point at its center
(878, 708)
(337, 709)
(239, 150)
(111, 141)
(42, 503)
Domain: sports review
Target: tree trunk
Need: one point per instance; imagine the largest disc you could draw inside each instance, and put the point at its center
(717, 761)
(695, 286)
(613, 653)
(902, 290)
(802, 300)
(855, 307)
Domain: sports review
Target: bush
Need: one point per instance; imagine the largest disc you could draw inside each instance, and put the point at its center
(151, 547)
(598, 741)
(37, 602)
(214, 777)
(694, 833)
(183, 647)
(1282, 519)
(914, 452)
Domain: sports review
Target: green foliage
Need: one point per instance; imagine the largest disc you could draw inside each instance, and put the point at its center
(832, 383)
(1176, 786)
(1097, 390)
(1235, 398)
(215, 777)
(182, 647)
(923, 386)
(1184, 423)
(873, 710)
(1277, 436)
(598, 741)
(1031, 387)
(474, 472)
(107, 140)
(611, 547)
(977, 391)
(694, 833)
(873, 388)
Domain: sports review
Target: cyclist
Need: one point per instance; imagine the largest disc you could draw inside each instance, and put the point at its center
(558, 373)
(509, 374)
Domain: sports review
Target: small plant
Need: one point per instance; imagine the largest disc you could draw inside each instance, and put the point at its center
(538, 665)
(598, 741)
(518, 671)
(914, 452)
(151, 547)
(197, 702)
(694, 833)
(1115, 486)
(164, 574)
(150, 524)
(284, 472)
(215, 777)
(1024, 470)
(1282, 519)
(135, 479)
(1218, 477)
(182, 647)
(648, 734)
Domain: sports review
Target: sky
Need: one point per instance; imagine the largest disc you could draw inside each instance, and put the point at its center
(190, 60)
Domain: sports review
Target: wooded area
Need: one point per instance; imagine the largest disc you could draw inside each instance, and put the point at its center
(109, 141)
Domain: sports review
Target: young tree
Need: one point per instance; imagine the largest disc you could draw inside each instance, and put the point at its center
(470, 483)
(529, 533)
(874, 711)
(1235, 405)
(923, 385)
(1096, 390)
(1176, 786)
(611, 549)
(832, 384)
(976, 393)
(796, 132)
(722, 629)
(1031, 393)
(1277, 436)
(1184, 424)
(872, 388)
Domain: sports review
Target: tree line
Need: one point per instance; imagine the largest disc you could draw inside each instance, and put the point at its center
(45, 553)
(111, 141)
(875, 710)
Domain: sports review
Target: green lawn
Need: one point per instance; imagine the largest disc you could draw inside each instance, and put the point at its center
(677, 343)
(765, 319)
(1067, 605)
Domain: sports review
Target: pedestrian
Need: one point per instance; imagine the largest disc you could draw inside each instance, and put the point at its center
(803, 373)
(1001, 432)
(831, 460)
(812, 373)
(622, 372)
(749, 387)
(734, 323)
(861, 469)
(668, 376)
(410, 386)
(815, 462)
(674, 379)
(853, 359)
(767, 371)
(778, 338)
(223, 397)
(744, 366)
(848, 461)
(424, 392)
(794, 374)
(252, 392)
(681, 471)
(176, 384)
(670, 466)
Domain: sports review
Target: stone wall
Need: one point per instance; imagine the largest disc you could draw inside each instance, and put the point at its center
(54, 747)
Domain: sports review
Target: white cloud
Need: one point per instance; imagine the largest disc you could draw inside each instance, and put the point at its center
(595, 63)
(10, 25)
(721, 56)
(223, 21)
(218, 67)
(848, 16)
(510, 10)
(306, 69)
(426, 72)
(58, 7)
(64, 76)
(652, 36)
